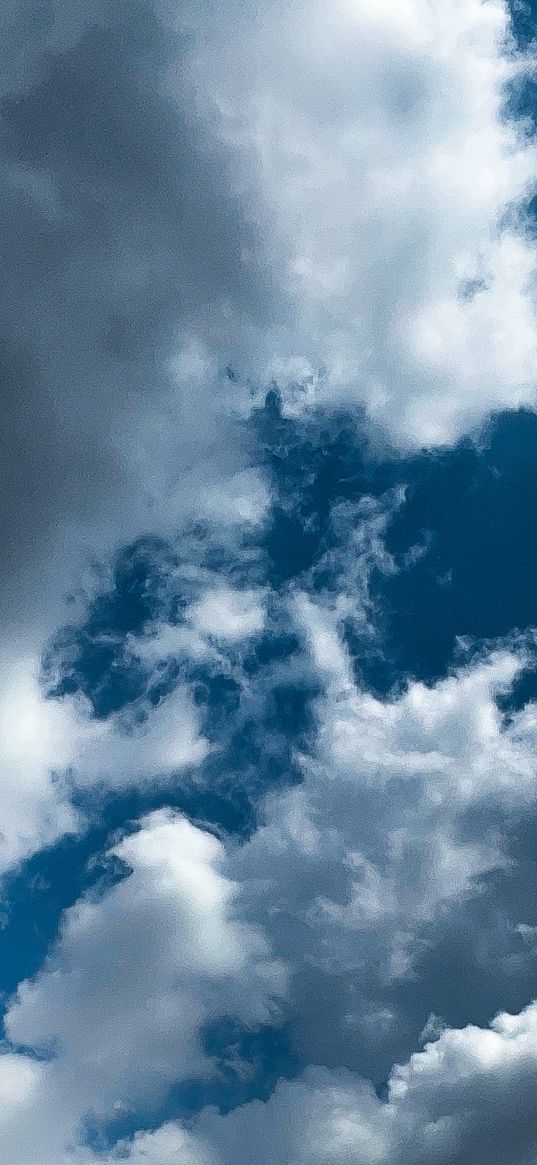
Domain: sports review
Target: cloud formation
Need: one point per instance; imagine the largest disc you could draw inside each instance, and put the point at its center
(466, 1097)
(256, 260)
(397, 177)
(346, 215)
(138, 972)
(335, 896)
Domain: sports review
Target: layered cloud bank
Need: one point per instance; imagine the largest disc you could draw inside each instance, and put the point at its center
(268, 722)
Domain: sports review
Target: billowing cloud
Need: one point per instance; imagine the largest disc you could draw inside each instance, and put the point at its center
(139, 972)
(397, 176)
(346, 214)
(403, 815)
(49, 747)
(465, 1098)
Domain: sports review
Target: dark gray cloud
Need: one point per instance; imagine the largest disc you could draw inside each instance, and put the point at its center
(122, 234)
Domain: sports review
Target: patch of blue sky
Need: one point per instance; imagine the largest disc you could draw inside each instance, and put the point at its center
(247, 1066)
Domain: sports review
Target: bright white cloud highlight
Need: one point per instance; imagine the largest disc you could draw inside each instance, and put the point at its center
(138, 972)
(35, 747)
(396, 179)
(227, 614)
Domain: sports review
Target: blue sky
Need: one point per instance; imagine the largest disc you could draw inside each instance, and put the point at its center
(268, 725)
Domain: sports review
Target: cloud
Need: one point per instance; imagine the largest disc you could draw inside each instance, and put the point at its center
(159, 236)
(199, 202)
(49, 747)
(228, 614)
(124, 246)
(139, 971)
(35, 748)
(354, 204)
(467, 1097)
(169, 1145)
(403, 816)
(396, 177)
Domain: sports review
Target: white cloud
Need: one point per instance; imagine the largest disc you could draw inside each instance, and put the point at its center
(33, 1126)
(468, 1096)
(227, 614)
(242, 499)
(47, 746)
(353, 863)
(141, 746)
(395, 180)
(35, 747)
(138, 972)
(169, 1145)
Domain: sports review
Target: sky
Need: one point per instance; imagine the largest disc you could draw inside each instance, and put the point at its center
(268, 597)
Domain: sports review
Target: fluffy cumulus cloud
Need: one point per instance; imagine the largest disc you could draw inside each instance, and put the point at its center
(268, 720)
(334, 197)
(397, 180)
(137, 973)
(169, 923)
